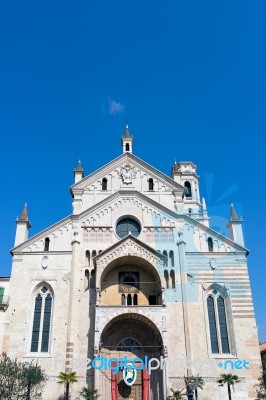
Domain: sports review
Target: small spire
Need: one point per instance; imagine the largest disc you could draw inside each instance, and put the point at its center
(204, 208)
(127, 141)
(23, 226)
(175, 167)
(127, 133)
(78, 172)
(79, 167)
(233, 214)
(24, 214)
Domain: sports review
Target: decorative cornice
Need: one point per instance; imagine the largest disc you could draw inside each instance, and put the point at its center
(118, 162)
(41, 253)
(130, 240)
(174, 216)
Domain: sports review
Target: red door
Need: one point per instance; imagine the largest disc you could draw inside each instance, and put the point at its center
(145, 385)
(114, 387)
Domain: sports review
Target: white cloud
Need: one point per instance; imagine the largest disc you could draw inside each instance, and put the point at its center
(115, 107)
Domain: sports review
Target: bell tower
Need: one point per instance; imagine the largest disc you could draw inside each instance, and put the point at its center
(127, 141)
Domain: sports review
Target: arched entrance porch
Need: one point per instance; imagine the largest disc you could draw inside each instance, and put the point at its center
(131, 335)
(130, 280)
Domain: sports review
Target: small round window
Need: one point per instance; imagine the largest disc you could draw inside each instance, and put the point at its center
(127, 226)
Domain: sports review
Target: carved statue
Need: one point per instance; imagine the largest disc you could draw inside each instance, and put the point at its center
(127, 174)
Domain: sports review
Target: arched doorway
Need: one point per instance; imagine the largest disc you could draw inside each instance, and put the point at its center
(130, 280)
(132, 335)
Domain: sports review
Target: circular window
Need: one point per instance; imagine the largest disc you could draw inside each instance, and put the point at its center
(127, 226)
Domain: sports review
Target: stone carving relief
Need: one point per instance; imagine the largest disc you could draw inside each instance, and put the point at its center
(45, 262)
(131, 247)
(127, 173)
(66, 277)
(213, 263)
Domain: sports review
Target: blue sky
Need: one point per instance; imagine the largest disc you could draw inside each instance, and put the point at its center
(188, 76)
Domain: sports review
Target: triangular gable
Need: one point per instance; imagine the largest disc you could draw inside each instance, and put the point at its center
(63, 223)
(130, 238)
(117, 163)
(97, 208)
(156, 207)
(214, 234)
(148, 202)
(130, 246)
(172, 219)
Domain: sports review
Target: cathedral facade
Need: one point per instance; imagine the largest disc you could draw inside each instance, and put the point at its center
(134, 290)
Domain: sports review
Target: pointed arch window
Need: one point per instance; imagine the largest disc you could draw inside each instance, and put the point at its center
(212, 325)
(127, 146)
(41, 328)
(223, 325)
(218, 323)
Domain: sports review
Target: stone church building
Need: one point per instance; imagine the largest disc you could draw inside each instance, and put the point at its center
(135, 271)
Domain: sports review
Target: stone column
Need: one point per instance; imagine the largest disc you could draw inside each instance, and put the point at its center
(71, 304)
(165, 375)
(184, 298)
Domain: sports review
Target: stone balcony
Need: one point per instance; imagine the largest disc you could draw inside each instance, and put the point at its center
(4, 302)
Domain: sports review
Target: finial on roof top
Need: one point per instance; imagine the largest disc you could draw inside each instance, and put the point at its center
(24, 214)
(233, 214)
(23, 226)
(79, 167)
(235, 227)
(175, 167)
(78, 172)
(127, 133)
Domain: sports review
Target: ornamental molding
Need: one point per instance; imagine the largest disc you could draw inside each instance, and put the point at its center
(155, 315)
(163, 216)
(113, 168)
(130, 247)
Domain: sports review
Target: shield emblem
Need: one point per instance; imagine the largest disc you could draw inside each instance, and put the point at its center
(129, 375)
